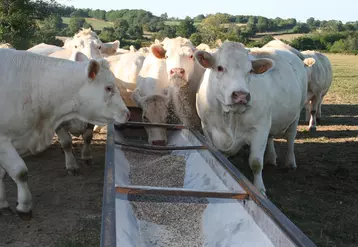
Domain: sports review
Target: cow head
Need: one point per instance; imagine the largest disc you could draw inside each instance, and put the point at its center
(231, 69)
(179, 55)
(99, 99)
(154, 110)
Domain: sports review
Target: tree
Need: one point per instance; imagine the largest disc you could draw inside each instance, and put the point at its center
(107, 34)
(199, 18)
(76, 24)
(120, 28)
(135, 32)
(186, 28)
(196, 39)
(18, 20)
(164, 16)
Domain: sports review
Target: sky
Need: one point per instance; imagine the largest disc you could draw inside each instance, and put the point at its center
(344, 10)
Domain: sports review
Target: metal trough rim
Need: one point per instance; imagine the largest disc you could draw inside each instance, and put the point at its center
(290, 229)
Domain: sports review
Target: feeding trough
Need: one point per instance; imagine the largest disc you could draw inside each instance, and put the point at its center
(183, 194)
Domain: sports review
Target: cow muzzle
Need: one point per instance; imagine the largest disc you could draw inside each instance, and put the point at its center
(177, 72)
(240, 97)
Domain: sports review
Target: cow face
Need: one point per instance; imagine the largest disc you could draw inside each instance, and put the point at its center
(231, 68)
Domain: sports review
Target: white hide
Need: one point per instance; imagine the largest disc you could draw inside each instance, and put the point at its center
(319, 78)
(126, 68)
(45, 49)
(37, 94)
(319, 82)
(277, 84)
(152, 95)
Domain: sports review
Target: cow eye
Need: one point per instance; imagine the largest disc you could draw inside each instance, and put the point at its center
(99, 47)
(220, 68)
(109, 89)
(191, 56)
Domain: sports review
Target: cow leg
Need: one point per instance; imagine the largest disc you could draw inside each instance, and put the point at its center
(87, 139)
(270, 153)
(291, 133)
(66, 143)
(318, 117)
(3, 203)
(307, 112)
(97, 129)
(314, 106)
(257, 151)
(14, 165)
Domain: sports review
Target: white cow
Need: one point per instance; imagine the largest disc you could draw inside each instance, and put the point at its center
(37, 94)
(319, 82)
(184, 74)
(126, 68)
(152, 95)
(45, 49)
(110, 48)
(249, 98)
(7, 46)
(319, 79)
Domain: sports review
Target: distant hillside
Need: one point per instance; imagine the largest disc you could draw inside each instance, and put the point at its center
(95, 23)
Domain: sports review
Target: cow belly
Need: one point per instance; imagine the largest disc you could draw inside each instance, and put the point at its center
(33, 142)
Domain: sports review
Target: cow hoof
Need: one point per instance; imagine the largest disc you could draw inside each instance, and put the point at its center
(26, 216)
(312, 129)
(6, 211)
(73, 171)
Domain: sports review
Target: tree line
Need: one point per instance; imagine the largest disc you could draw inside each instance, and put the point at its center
(24, 23)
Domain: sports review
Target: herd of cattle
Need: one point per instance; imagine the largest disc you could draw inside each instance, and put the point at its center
(233, 94)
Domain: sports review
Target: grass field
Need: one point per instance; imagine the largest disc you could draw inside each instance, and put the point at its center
(321, 196)
(96, 24)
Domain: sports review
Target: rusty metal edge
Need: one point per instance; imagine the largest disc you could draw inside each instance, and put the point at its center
(108, 224)
(148, 190)
(288, 227)
(141, 124)
(152, 147)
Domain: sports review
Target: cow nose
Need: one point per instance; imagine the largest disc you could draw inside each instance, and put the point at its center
(159, 142)
(177, 71)
(240, 97)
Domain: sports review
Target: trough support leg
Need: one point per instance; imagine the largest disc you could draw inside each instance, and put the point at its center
(66, 143)
(14, 165)
(86, 148)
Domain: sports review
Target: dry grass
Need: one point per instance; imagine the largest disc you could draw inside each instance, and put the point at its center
(321, 196)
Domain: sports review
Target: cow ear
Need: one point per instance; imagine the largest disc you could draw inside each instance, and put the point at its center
(92, 69)
(79, 57)
(158, 51)
(115, 45)
(262, 65)
(205, 59)
(309, 62)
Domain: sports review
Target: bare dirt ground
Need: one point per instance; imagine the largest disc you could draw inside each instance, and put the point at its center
(67, 209)
(320, 197)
